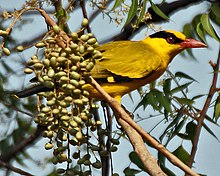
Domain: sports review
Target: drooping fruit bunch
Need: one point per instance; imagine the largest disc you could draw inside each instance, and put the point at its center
(64, 108)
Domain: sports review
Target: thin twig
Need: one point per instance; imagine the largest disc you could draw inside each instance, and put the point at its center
(205, 108)
(82, 4)
(108, 141)
(16, 109)
(105, 145)
(124, 116)
(6, 157)
(62, 21)
(14, 169)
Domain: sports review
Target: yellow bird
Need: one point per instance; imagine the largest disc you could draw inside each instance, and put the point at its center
(128, 65)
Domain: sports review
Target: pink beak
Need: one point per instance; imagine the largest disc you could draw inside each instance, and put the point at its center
(192, 43)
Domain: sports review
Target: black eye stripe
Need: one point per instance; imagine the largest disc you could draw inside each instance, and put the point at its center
(166, 35)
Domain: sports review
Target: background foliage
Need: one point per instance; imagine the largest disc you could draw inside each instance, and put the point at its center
(181, 114)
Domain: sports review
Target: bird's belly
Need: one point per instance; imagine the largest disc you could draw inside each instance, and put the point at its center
(113, 89)
(119, 89)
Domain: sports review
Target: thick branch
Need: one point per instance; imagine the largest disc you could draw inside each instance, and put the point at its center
(147, 159)
(123, 115)
(201, 118)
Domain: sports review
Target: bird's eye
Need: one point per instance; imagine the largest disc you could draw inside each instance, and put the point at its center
(170, 40)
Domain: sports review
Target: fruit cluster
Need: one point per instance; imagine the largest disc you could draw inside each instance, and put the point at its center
(64, 109)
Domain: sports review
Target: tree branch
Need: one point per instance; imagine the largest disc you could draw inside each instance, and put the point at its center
(139, 147)
(105, 144)
(121, 114)
(201, 118)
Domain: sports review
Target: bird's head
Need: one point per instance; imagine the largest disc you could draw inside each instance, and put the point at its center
(171, 42)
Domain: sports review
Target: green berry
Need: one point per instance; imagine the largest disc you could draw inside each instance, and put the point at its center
(28, 70)
(6, 51)
(20, 48)
(85, 22)
(56, 29)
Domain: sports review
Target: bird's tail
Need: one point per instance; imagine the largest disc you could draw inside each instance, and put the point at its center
(32, 90)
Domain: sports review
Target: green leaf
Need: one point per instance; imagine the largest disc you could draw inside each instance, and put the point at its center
(161, 159)
(171, 125)
(167, 85)
(132, 11)
(202, 174)
(142, 13)
(158, 11)
(217, 108)
(176, 131)
(200, 32)
(187, 28)
(214, 14)
(179, 127)
(164, 101)
(191, 129)
(166, 170)
(214, 18)
(180, 88)
(67, 16)
(184, 101)
(208, 27)
(136, 160)
(60, 13)
(197, 97)
(153, 99)
(195, 21)
(182, 154)
(5, 145)
(150, 99)
(216, 9)
(20, 161)
(144, 102)
(210, 131)
(184, 136)
(117, 4)
(26, 155)
(184, 75)
(211, 120)
(31, 104)
(131, 172)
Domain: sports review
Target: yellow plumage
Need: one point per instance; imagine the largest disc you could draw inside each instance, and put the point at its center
(128, 65)
(135, 63)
